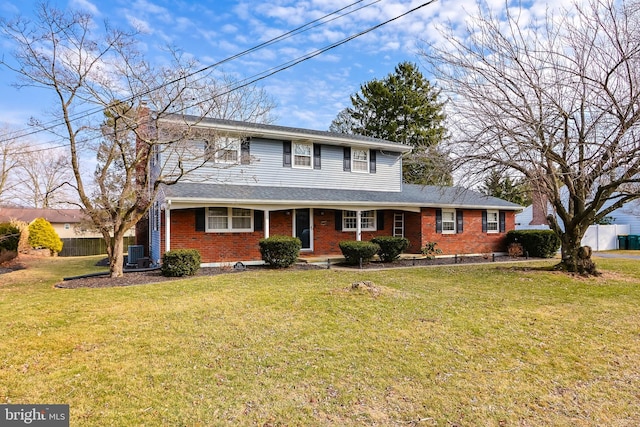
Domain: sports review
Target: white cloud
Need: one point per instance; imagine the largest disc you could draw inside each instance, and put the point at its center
(86, 6)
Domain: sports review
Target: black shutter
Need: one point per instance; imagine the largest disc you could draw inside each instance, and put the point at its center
(286, 154)
(459, 222)
(380, 220)
(338, 220)
(484, 221)
(346, 166)
(503, 221)
(258, 220)
(372, 161)
(316, 156)
(438, 220)
(245, 152)
(200, 219)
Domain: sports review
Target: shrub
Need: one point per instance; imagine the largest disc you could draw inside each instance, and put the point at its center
(9, 237)
(280, 251)
(354, 251)
(538, 243)
(430, 250)
(180, 262)
(43, 235)
(390, 247)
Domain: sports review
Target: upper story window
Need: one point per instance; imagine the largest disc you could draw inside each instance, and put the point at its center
(448, 221)
(224, 150)
(302, 155)
(367, 220)
(492, 221)
(221, 219)
(360, 160)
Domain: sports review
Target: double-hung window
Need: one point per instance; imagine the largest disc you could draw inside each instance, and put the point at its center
(302, 155)
(224, 150)
(359, 160)
(367, 220)
(448, 221)
(221, 219)
(492, 221)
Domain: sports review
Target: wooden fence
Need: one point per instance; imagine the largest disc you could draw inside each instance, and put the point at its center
(89, 246)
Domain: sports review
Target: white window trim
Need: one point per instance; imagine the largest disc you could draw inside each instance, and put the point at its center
(294, 155)
(496, 222)
(221, 145)
(353, 160)
(453, 212)
(374, 227)
(229, 228)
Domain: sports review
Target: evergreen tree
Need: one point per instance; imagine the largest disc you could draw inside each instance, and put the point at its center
(505, 188)
(403, 107)
(43, 235)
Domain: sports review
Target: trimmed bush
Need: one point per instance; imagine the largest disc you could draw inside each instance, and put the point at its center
(9, 237)
(43, 235)
(390, 247)
(353, 251)
(180, 262)
(538, 243)
(280, 251)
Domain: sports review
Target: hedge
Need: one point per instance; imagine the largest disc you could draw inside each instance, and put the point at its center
(180, 262)
(390, 247)
(538, 243)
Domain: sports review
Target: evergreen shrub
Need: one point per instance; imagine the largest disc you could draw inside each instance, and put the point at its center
(353, 251)
(180, 262)
(43, 235)
(390, 247)
(9, 237)
(538, 243)
(280, 251)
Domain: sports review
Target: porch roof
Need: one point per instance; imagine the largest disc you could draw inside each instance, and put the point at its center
(411, 198)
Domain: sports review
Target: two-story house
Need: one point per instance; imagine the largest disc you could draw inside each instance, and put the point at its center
(264, 180)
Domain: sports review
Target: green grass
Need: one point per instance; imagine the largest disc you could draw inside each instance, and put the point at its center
(482, 345)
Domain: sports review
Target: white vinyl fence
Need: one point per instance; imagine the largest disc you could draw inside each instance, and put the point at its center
(604, 237)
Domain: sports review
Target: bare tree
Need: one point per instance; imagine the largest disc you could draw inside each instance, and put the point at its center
(43, 176)
(557, 101)
(110, 104)
(10, 151)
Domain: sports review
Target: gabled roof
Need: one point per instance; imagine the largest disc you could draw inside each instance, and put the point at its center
(58, 216)
(412, 197)
(259, 130)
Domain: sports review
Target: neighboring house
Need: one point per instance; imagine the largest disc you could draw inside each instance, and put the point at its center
(71, 226)
(623, 221)
(68, 223)
(265, 180)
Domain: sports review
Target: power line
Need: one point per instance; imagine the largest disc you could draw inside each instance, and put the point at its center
(301, 29)
(272, 71)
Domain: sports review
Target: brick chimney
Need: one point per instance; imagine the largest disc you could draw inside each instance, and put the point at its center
(539, 208)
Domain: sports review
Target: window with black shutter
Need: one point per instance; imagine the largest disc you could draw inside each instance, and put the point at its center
(286, 154)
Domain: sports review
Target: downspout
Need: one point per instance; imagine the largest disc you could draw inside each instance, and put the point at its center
(167, 226)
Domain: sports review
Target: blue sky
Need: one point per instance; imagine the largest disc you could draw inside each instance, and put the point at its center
(308, 95)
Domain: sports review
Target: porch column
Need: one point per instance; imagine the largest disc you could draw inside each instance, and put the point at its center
(167, 226)
(266, 224)
(358, 227)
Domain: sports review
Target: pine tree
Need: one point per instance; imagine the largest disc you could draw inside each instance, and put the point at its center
(403, 107)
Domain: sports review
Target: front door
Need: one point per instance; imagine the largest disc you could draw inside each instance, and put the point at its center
(302, 227)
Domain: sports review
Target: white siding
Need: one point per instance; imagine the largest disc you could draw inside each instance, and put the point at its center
(266, 169)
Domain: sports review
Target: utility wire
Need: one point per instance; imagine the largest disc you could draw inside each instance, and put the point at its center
(272, 71)
(299, 30)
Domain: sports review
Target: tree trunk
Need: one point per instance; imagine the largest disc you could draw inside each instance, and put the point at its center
(116, 259)
(576, 258)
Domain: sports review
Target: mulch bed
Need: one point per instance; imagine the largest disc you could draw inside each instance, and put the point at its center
(154, 276)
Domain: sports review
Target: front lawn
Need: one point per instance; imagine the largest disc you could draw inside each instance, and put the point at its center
(485, 345)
